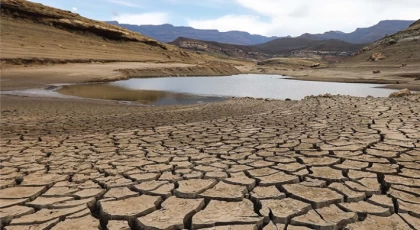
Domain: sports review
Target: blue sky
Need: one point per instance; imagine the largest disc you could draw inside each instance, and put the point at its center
(266, 17)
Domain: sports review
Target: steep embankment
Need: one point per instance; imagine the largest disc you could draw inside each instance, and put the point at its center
(32, 32)
(398, 49)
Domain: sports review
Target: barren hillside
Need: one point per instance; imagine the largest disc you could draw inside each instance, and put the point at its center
(400, 48)
(34, 32)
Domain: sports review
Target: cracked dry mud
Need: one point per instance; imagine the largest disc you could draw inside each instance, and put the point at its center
(319, 163)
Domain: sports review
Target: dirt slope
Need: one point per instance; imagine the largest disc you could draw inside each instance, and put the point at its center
(400, 48)
(34, 32)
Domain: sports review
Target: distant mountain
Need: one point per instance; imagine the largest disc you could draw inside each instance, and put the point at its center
(364, 35)
(287, 45)
(168, 33)
(277, 47)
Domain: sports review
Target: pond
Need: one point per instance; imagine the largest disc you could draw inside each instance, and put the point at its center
(190, 90)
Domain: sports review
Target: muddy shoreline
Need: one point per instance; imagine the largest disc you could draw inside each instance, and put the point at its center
(38, 76)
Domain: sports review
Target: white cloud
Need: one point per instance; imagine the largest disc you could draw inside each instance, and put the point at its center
(233, 22)
(124, 3)
(74, 9)
(154, 18)
(295, 17)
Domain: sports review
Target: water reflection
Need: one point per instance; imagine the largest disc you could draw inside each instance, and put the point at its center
(148, 97)
(253, 85)
(185, 90)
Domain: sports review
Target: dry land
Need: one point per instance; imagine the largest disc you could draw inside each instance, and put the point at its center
(319, 163)
(324, 162)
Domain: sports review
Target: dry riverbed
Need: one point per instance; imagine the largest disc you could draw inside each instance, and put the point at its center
(326, 162)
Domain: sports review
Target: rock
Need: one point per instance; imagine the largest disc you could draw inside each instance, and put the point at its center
(129, 208)
(284, 210)
(226, 213)
(377, 56)
(392, 41)
(315, 65)
(401, 93)
(173, 214)
(376, 71)
(317, 197)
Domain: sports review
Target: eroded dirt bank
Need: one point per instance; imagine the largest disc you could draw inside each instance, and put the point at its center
(36, 76)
